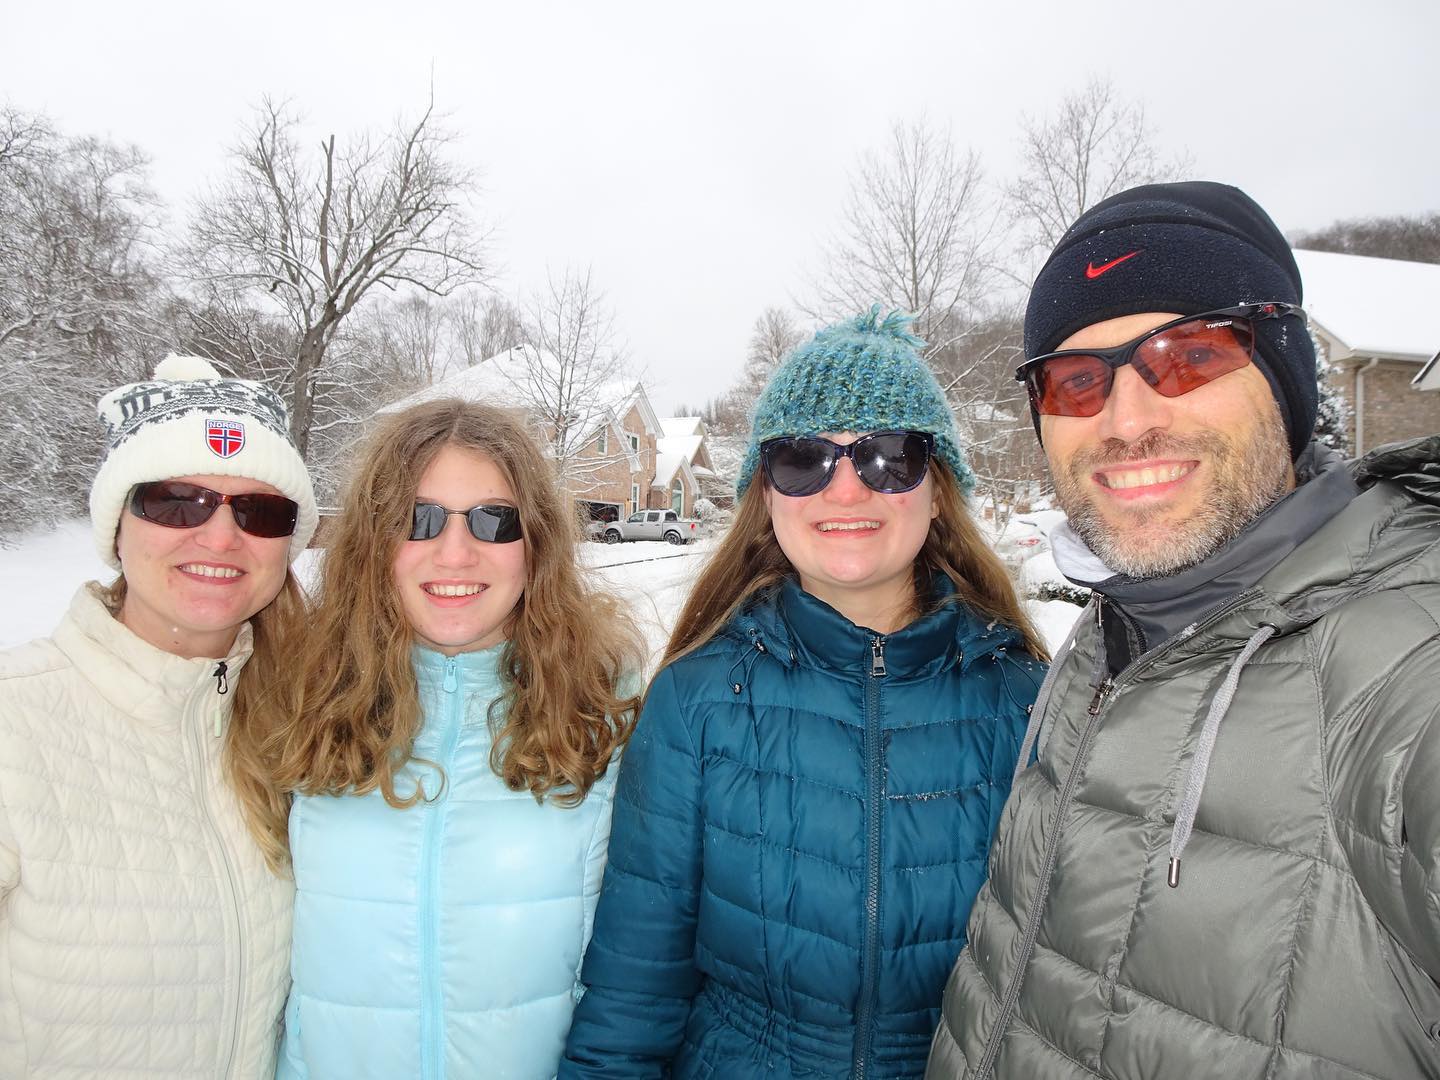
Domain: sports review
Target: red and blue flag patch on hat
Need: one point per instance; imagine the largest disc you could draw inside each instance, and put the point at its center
(225, 438)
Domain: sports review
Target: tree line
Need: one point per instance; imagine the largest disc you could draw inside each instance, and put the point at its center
(344, 274)
(348, 273)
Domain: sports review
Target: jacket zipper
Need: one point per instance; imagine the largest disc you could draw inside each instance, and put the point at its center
(230, 890)
(432, 1058)
(874, 810)
(1104, 693)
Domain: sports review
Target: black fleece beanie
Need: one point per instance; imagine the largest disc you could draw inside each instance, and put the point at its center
(1188, 247)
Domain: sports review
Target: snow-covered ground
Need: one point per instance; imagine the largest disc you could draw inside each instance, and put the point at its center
(39, 575)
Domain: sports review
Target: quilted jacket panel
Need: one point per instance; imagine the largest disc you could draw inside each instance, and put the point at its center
(141, 934)
(796, 845)
(444, 939)
(1303, 939)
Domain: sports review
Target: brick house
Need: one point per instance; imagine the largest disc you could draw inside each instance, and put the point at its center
(683, 469)
(613, 474)
(1378, 322)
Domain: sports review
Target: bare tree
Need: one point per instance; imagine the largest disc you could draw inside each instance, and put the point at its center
(993, 412)
(77, 217)
(1094, 145)
(916, 234)
(77, 306)
(774, 337)
(571, 373)
(414, 335)
(316, 233)
(485, 326)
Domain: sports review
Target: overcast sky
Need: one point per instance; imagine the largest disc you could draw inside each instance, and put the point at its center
(697, 158)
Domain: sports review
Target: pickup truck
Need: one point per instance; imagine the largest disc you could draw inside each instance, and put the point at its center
(652, 525)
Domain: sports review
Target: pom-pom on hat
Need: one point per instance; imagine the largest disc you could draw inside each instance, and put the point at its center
(864, 374)
(1185, 247)
(188, 421)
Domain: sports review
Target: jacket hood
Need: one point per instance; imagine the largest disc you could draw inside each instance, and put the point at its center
(1415, 465)
(1387, 536)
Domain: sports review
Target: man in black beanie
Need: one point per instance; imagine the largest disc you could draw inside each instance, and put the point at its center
(1243, 576)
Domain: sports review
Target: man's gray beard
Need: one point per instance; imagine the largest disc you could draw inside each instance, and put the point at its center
(1245, 481)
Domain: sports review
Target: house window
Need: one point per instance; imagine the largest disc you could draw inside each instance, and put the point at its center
(602, 444)
(634, 442)
(677, 497)
(635, 496)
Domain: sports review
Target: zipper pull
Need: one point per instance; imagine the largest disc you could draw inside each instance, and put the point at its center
(1100, 692)
(222, 684)
(451, 679)
(877, 657)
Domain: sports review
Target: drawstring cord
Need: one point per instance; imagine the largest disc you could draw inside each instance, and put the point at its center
(746, 661)
(1204, 747)
(997, 656)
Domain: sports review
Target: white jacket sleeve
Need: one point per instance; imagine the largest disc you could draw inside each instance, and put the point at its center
(9, 855)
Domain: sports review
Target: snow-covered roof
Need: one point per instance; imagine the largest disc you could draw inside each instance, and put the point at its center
(632, 395)
(1428, 378)
(666, 466)
(488, 382)
(678, 426)
(1372, 307)
(500, 380)
(685, 446)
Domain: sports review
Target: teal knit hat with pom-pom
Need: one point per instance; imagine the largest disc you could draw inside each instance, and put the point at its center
(863, 374)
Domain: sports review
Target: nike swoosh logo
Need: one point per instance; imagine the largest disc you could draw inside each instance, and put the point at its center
(1092, 271)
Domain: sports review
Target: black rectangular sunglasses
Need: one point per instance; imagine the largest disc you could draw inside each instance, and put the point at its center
(890, 462)
(493, 524)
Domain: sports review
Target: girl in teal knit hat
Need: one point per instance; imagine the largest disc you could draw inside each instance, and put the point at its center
(802, 818)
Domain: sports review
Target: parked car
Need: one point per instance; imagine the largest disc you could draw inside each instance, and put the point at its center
(664, 525)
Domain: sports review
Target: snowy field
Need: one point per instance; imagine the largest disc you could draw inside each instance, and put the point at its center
(39, 575)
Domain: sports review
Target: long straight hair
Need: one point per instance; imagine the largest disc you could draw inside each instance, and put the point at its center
(749, 561)
(353, 707)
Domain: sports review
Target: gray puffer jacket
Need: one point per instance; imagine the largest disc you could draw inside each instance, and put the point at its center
(1295, 729)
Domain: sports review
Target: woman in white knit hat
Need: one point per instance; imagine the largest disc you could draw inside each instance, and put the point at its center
(143, 929)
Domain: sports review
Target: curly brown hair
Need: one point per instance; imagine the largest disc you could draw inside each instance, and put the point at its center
(352, 706)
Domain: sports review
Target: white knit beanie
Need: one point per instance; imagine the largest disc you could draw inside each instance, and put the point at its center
(188, 421)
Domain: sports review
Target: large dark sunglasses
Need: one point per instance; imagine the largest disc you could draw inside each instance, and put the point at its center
(178, 505)
(498, 524)
(1182, 355)
(889, 462)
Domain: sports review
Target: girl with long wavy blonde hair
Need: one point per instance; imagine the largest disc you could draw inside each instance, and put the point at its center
(804, 813)
(457, 705)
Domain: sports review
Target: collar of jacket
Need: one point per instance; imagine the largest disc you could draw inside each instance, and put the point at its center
(476, 672)
(795, 626)
(134, 676)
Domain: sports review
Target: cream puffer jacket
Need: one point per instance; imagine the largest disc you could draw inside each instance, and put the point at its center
(141, 934)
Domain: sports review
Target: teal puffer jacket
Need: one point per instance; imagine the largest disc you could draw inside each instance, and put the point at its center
(802, 821)
(443, 940)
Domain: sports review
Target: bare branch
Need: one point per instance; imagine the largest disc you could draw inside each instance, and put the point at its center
(314, 236)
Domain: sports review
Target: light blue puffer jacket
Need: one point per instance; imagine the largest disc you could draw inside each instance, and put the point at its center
(441, 941)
